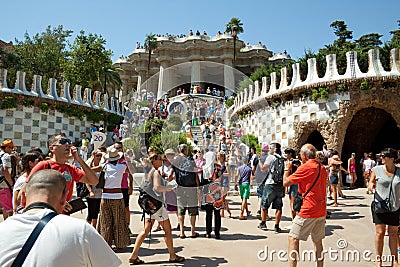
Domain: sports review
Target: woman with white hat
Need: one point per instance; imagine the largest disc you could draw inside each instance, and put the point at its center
(112, 219)
(334, 168)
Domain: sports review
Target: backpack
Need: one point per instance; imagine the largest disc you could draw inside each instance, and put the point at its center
(277, 170)
(146, 201)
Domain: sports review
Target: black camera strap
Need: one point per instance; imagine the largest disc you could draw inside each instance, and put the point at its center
(19, 260)
(319, 172)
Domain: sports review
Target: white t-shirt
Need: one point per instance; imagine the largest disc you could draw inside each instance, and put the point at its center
(369, 164)
(63, 242)
(270, 160)
(113, 176)
(18, 186)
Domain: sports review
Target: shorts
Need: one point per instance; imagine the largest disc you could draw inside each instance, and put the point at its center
(293, 190)
(6, 199)
(303, 227)
(260, 190)
(273, 194)
(390, 218)
(125, 196)
(93, 208)
(160, 216)
(186, 199)
(334, 179)
(244, 190)
(232, 169)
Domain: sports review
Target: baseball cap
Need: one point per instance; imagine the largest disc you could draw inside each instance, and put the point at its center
(8, 142)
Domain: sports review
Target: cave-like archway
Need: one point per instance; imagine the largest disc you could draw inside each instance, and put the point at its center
(370, 130)
(316, 139)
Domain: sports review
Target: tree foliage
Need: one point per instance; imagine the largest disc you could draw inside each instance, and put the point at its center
(88, 57)
(150, 44)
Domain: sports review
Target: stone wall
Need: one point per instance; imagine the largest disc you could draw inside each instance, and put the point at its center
(291, 120)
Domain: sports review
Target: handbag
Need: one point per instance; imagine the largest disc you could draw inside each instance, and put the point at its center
(383, 206)
(298, 198)
(102, 179)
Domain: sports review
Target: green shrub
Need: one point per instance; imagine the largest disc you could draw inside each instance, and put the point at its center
(251, 140)
(27, 103)
(95, 116)
(229, 102)
(342, 87)
(9, 102)
(44, 107)
(365, 86)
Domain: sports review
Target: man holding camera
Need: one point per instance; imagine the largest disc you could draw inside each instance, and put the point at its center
(311, 177)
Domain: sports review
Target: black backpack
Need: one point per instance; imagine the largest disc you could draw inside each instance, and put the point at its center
(278, 169)
(146, 201)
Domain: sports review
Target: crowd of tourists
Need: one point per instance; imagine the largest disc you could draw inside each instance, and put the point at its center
(177, 181)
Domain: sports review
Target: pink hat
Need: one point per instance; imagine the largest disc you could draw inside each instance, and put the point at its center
(264, 147)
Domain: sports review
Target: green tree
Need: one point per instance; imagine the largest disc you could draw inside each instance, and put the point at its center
(395, 41)
(234, 27)
(88, 58)
(109, 75)
(341, 31)
(150, 44)
(45, 53)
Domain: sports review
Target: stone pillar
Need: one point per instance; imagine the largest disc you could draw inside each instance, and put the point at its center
(195, 77)
(3, 78)
(229, 78)
(141, 78)
(162, 80)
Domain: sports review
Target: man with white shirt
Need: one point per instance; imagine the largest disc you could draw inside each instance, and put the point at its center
(73, 242)
(273, 190)
(210, 157)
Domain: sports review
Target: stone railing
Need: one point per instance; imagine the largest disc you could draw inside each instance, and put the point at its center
(264, 91)
(91, 100)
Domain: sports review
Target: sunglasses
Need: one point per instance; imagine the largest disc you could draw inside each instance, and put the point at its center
(38, 159)
(98, 156)
(63, 141)
(156, 158)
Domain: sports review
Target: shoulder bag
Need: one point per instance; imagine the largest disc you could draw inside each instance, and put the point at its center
(384, 206)
(298, 198)
(19, 260)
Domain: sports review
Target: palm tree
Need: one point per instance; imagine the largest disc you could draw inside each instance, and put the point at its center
(234, 27)
(150, 44)
(109, 74)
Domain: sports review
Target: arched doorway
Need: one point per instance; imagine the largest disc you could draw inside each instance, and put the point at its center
(316, 139)
(370, 130)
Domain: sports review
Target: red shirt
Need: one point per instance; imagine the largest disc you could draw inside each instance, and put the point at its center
(71, 173)
(314, 204)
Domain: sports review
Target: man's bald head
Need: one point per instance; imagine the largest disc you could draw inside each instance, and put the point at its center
(47, 186)
(308, 151)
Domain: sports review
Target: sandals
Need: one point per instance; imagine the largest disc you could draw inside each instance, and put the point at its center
(136, 261)
(177, 259)
(195, 235)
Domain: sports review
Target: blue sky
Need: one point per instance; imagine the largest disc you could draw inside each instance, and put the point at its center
(291, 25)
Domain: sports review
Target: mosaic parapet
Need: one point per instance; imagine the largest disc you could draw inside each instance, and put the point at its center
(252, 95)
(91, 99)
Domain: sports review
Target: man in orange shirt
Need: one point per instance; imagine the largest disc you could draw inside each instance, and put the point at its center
(311, 218)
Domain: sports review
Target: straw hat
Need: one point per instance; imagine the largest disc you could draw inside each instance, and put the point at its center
(113, 154)
(336, 160)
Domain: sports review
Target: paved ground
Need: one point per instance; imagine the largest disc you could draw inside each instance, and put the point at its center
(349, 230)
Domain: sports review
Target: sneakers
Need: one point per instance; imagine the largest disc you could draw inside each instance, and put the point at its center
(277, 229)
(262, 226)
